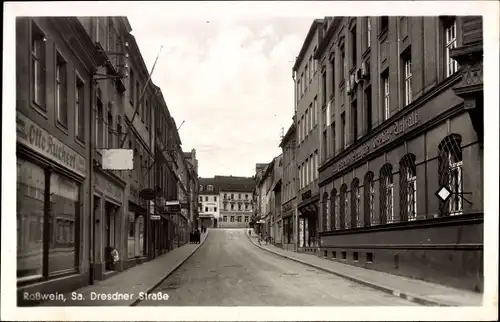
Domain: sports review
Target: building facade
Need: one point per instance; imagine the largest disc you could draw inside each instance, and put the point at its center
(83, 88)
(289, 189)
(55, 61)
(209, 203)
(307, 76)
(275, 201)
(236, 198)
(397, 130)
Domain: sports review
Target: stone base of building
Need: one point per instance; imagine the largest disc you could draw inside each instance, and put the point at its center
(446, 251)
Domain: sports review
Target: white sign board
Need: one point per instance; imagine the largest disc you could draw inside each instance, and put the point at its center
(117, 159)
(155, 217)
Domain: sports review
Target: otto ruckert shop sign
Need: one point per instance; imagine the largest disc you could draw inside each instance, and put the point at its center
(41, 141)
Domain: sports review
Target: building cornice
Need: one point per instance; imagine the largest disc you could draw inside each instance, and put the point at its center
(310, 34)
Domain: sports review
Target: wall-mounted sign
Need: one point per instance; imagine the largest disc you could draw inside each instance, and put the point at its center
(306, 195)
(398, 128)
(173, 206)
(41, 141)
(111, 189)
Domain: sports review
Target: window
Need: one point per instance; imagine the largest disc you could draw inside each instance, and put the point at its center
(119, 130)
(333, 138)
(355, 200)
(99, 125)
(354, 120)
(316, 164)
(384, 23)
(306, 70)
(303, 129)
(314, 60)
(451, 174)
(138, 97)
(408, 188)
(386, 195)
(326, 212)
(210, 187)
(132, 88)
(232, 206)
(369, 198)
(407, 76)
(385, 89)
(232, 218)
(61, 91)
(206, 198)
(343, 206)
(311, 68)
(37, 67)
(299, 132)
(302, 83)
(323, 86)
(300, 177)
(450, 43)
(201, 187)
(239, 207)
(232, 196)
(311, 114)
(299, 89)
(215, 198)
(79, 110)
(224, 218)
(225, 196)
(342, 63)
(353, 47)
(332, 64)
(333, 210)
(306, 118)
(206, 209)
(343, 134)
(239, 218)
(146, 106)
(110, 130)
(315, 109)
(368, 106)
(201, 198)
(368, 32)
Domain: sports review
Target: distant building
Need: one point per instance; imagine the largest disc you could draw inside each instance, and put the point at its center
(289, 189)
(208, 203)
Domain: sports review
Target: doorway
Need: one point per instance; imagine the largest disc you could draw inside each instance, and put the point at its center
(109, 234)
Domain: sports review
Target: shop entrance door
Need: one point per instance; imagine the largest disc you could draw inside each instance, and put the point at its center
(109, 234)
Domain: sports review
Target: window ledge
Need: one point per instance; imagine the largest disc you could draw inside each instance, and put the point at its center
(61, 127)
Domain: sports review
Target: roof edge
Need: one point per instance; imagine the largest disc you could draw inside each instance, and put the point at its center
(314, 26)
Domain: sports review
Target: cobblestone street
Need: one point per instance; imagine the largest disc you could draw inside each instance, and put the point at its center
(228, 270)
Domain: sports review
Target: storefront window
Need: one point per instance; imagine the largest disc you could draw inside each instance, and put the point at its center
(140, 235)
(63, 216)
(131, 236)
(30, 205)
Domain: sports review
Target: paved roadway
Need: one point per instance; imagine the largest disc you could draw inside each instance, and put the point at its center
(228, 270)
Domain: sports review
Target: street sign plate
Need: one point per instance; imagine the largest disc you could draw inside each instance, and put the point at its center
(155, 217)
(443, 193)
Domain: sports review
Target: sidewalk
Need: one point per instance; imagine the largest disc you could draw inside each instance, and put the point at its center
(141, 278)
(414, 290)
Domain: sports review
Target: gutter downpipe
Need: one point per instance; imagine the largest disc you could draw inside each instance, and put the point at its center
(92, 207)
(295, 213)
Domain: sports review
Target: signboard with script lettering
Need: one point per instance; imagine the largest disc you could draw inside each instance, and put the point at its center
(403, 125)
(41, 141)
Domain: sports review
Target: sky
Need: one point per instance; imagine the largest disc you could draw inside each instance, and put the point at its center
(229, 80)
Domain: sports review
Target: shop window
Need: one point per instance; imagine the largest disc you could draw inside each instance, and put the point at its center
(334, 254)
(344, 255)
(355, 256)
(386, 195)
(224, 219)
(355, 200)
(450, 174)
(232, 218)
(408, 188)
(369, 257)
(333, 210)
(369, 199)
(131, 236)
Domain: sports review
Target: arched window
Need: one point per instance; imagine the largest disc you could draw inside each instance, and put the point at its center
(343, 206)
(333, 209)
(450, 174)
(408, 188)
(325, 212)
(369, 199)
(386, 195)
(355, 200)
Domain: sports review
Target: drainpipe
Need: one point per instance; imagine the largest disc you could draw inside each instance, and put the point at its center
(91, 187)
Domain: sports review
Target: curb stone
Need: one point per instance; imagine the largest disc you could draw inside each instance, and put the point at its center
(137, 301)
(404, 295)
